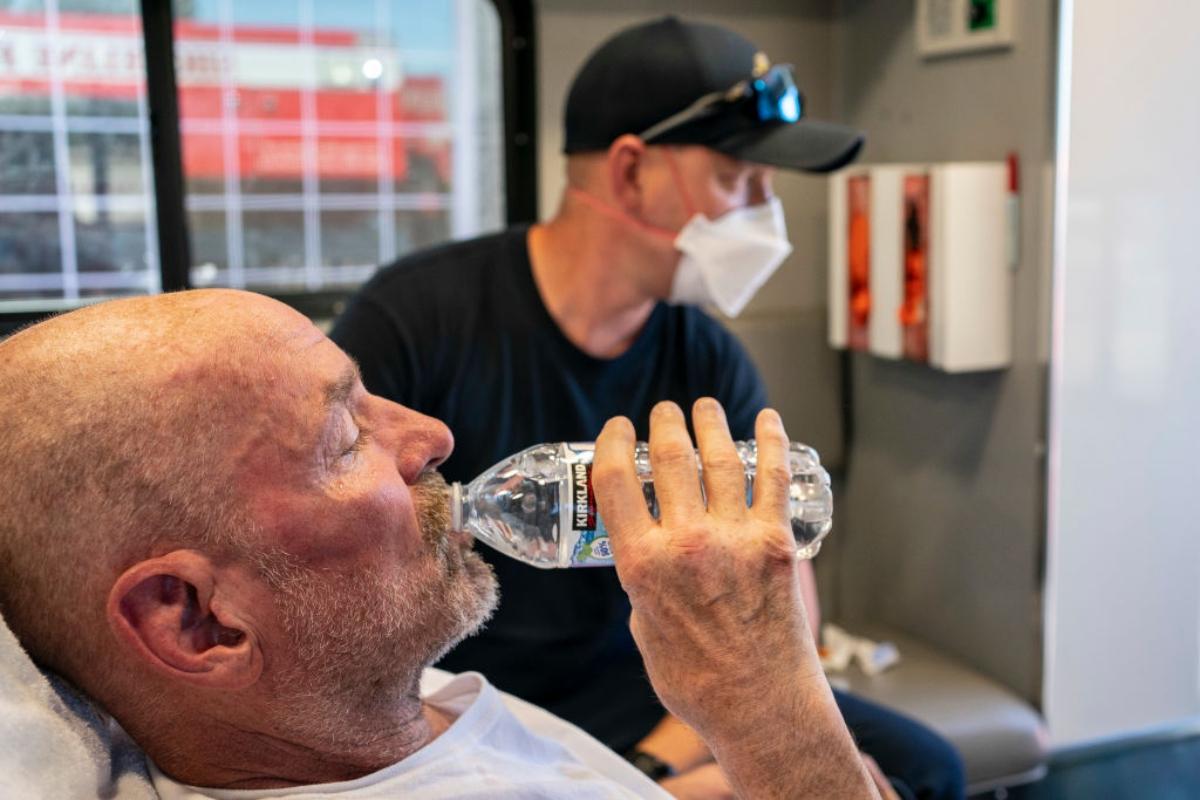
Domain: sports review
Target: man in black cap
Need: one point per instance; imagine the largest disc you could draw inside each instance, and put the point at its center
(542, 333)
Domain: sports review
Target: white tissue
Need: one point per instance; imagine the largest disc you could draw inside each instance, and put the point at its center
(841, 648)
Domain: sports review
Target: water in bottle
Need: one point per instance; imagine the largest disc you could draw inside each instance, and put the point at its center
(538, 505)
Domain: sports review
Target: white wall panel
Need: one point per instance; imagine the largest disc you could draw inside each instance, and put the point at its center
(1123, 593)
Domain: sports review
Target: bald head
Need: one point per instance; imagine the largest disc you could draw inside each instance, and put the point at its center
(113, 421)
(212, 528)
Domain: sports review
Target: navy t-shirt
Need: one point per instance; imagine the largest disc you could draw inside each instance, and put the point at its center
(460, 333)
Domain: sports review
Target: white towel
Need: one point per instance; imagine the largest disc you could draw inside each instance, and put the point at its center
(54, 743)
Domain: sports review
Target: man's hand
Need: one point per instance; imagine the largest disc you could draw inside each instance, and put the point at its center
(706, 782)
(716, 601)
(717, 607)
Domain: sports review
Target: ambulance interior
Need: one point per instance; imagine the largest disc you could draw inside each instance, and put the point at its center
(983, 327)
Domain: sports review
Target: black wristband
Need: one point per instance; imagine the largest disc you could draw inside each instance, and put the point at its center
(653, 767)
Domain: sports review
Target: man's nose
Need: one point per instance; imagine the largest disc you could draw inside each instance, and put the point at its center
(418, 442)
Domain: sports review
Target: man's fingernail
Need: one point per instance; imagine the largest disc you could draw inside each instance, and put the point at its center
(618, 425)
(667, 407)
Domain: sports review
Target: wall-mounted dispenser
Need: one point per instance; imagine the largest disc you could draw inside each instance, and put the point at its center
(919, 263)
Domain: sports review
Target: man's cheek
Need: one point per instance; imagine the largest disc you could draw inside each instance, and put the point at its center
(388, 516)
(379, 518)
(299, 526)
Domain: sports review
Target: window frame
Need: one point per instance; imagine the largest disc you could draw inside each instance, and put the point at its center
(519, 101)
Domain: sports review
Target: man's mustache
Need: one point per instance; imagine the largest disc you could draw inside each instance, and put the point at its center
(431, 494)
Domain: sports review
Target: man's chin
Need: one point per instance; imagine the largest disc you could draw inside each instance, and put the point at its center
(477, 598)
(484, 586)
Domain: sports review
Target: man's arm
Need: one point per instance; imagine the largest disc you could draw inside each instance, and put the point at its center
(674, 743)
(737, 384)
(717, 607)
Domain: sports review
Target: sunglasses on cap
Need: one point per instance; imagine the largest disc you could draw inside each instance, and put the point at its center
(770, 97)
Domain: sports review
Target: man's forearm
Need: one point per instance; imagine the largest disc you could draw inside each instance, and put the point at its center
(797, 749)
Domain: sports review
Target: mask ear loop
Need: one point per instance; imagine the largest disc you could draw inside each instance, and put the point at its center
(620, 216)
(677, 175)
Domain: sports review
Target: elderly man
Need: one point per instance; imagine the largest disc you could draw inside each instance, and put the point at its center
(216, 532)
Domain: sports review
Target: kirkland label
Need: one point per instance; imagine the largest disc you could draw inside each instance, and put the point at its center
(584, 506)
(591, 546)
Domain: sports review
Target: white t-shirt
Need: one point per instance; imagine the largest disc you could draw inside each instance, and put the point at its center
(498, 748)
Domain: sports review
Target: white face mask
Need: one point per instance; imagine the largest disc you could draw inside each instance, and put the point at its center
(726, 260)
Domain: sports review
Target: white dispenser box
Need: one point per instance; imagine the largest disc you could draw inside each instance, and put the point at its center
(919, 265)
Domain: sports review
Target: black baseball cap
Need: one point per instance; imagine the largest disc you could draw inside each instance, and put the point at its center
(661, 70)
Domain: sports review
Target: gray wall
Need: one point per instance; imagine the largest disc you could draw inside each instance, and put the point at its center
(941, 518)
(784, 326)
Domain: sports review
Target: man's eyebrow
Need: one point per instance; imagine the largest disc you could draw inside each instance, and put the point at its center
(338, 392)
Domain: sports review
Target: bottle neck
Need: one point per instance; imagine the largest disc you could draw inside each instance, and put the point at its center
(458, 506)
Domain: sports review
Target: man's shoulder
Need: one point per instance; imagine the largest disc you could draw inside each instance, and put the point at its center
(451, 267)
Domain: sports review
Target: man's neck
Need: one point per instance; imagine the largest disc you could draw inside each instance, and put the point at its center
(232, 757)
(585, 281)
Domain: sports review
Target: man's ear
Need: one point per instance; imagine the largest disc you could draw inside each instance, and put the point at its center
(178, 618)
(626, 157)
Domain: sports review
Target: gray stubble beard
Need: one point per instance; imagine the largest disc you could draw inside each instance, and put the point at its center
(362, 641)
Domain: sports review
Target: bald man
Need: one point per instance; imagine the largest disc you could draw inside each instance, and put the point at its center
(214, 530)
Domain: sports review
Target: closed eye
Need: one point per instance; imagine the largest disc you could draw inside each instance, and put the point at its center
(360, 441)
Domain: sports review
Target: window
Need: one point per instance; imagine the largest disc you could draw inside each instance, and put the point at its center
(322, 139)
(76, 207)
(319, 140)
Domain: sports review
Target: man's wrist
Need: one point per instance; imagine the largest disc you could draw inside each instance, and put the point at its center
(794, 747)
(649, 764)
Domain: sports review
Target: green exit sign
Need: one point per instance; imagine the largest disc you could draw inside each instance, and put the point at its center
(981, 15)
(950, 27)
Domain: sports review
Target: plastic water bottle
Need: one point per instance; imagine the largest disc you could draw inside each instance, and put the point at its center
(538, 505)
